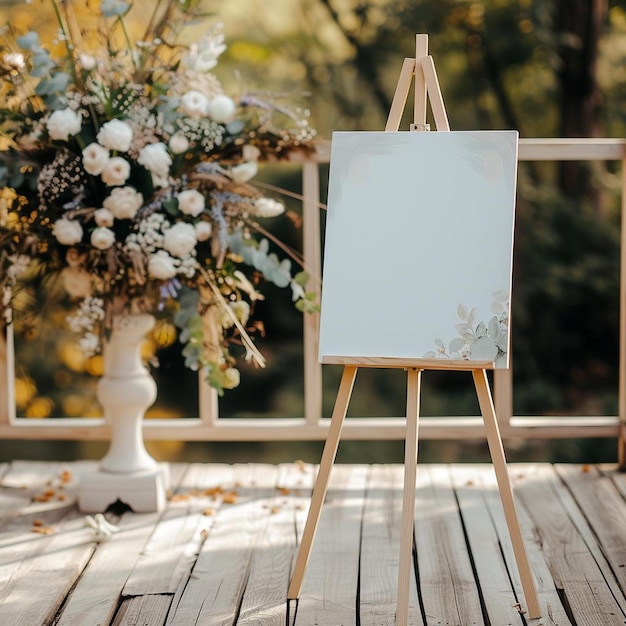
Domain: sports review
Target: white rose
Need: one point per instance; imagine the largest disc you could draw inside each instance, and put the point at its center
(116, 171)
(161, 266)
(155, 158)
(191, 202)
(67, 232)
(178, 143)
(266, 207)
(87, 61)
(180, 239)
(124, 202)
(221, 109)
(194, 104)
(95, 157)
(203, 230)
(14, 60)
(102, 238)
(104, 217)
(77, 282)
(243, 172)
(61, 124)
(115, 135)
(160, 181)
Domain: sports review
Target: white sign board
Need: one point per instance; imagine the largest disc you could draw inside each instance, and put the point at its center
(419, 243)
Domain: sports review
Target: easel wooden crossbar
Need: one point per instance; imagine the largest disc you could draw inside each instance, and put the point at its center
(422, 71)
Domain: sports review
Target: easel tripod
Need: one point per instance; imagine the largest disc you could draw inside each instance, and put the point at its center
(423, 71)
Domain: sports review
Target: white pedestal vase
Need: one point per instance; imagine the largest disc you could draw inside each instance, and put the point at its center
(127, 472)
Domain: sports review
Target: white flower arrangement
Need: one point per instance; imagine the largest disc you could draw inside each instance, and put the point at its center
(126, 170)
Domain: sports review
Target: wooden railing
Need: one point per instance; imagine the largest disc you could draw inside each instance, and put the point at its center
(211, 427)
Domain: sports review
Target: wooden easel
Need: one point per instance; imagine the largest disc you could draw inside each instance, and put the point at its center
(426, 84)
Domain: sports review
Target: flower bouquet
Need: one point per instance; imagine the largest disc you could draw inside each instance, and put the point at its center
(125, 171)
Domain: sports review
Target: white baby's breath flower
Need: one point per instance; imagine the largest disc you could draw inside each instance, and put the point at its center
(102, 238)
(267, 207)
(64, 123)
(203, 230)
(77, 282)
(178, 143)
(116, 171)
(221, 109)
(87, 61)
(95, 157)
(161, 266)
(115, 135)
(19, 264)
(29, 141)
(243, 172)
(180, 239)
(67, 232)
(202, 56)
(191, 202)
(89, 344)
(124, 202)
(194, 104)
(104, 217)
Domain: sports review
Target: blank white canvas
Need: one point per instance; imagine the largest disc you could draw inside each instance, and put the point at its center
(419, 243)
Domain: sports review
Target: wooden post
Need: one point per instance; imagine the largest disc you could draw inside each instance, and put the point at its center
(621, 447)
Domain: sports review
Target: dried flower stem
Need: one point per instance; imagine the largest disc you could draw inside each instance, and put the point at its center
(251, 350)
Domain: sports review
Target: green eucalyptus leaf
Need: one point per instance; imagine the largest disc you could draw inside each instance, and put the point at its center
(302, 278)
(114, 8)
(171, 206)
(235, 127)
(29, 41)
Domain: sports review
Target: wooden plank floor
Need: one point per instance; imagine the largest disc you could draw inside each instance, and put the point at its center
(222, 551)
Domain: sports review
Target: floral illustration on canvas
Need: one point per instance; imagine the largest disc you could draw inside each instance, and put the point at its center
(479, 340)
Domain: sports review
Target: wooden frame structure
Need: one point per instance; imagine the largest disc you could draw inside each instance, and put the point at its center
(422, 71)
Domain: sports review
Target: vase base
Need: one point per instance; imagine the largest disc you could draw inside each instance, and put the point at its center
(143, 492)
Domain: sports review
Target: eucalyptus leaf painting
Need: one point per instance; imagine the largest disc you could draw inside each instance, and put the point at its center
(419, 245)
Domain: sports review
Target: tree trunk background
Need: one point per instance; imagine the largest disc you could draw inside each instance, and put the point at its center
(578, 27)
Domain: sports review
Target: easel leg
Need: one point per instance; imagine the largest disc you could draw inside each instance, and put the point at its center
(408, 500)
(506, 492)
(321, 482)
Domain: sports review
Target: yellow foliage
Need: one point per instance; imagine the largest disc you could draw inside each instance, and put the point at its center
(95, 365)
(25, 390)
(164, 334)
(72, 356)
(39, 408)
(74, 405)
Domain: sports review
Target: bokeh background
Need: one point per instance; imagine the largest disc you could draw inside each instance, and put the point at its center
(553, 68)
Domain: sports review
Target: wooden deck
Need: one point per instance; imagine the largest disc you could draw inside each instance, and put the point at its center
(221, 552)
